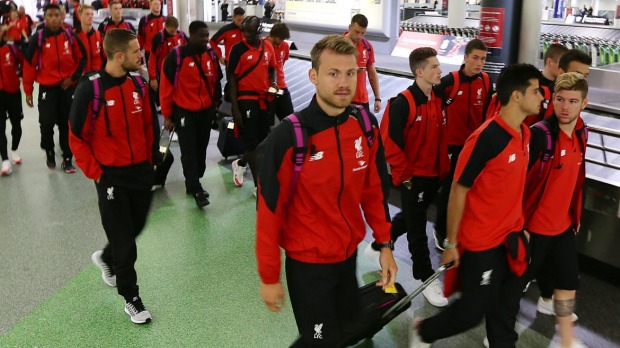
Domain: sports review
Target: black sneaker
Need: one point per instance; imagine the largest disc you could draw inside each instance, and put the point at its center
(50, 159)
(68, 167)
(204, 192)
(201, 199)
(136, 311)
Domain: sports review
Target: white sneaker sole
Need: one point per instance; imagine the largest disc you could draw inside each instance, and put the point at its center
(105, 279)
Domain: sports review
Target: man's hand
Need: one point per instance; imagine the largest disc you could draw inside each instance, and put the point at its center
(222, 60)
(273, 295)
(66, 83)
(29, 101)
(168, 124)
(450, 254)
(154, 84)
(388, 268)
(237, 118)
(377, 106)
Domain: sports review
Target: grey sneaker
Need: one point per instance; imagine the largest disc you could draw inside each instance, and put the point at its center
(136, 311)
(106, 270)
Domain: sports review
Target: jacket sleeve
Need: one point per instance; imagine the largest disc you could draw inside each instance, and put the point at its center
(80, 118)
(79, 54)
(215, 41)
(537, 145)
(393, 135)
(166, 84)
(30, 65)
(274, 178)
(141, 35)
(149, 114)
(375, 192)
(152, 63)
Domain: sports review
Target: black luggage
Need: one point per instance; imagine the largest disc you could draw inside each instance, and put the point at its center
(165, 158)
(379, 308)
(226, 142)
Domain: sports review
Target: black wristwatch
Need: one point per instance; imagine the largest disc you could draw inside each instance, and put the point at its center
(389, 244)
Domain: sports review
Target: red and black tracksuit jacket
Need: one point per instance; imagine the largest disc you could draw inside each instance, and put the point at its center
(108, 24)
(60, 57)
(93, 44)
(119, 140)
(12, 60)
(161, 45)
(231, 35)
(539, 172)
(405, 130)
(148, 27)
(467, 111)
(323, 222)
(178, 80)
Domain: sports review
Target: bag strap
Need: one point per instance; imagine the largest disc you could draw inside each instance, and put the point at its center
(547, 152)
(455, 87)
(366, 124)
(300, 148)
(177, 51)
(260, 57)
(204, 77)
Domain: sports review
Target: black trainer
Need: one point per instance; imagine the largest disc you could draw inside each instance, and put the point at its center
(201, 199)
(67, 166)
(187, 191)
(50, 159)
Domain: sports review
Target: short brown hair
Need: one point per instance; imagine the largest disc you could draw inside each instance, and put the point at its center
(337, 43)
(117, 40)
(85, 7)
(554, 51)
(418, 58)
(280, 30)
(114, 2)
(475, 44)
(572, 81)
(171, 22)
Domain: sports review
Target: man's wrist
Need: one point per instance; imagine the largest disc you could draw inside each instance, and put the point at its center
(448, 245)
(386, 245)
(377, 99)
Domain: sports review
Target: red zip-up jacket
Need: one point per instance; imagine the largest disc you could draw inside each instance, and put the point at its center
(230, 34)
(538, 173)
(108, 24)
(176, 80)
(468, 109)
(93, 44)
(160, 47)
(12, 59)
(148, 27)
(405, 131)
(323, 222)
(61, 58)
(121, 135)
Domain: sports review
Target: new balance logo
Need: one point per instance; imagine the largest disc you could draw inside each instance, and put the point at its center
(418, 119)
(317, 156)
(250, 57)
(562, 153)
(110, 103)
(318, 334)
(512, 158)
(486, 277)
(191, 64)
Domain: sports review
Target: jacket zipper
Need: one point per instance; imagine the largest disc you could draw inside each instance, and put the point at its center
(57, 55)
(126, 122)
(342, 189)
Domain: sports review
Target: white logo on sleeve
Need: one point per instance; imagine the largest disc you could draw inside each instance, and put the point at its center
(358, 148)
(512, 158)
(250, 56)
(486, 277)
(110, 192)
(191, 64)
(318, 334)
(8, 58)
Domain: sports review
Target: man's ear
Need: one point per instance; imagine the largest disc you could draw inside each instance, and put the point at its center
(313, 74)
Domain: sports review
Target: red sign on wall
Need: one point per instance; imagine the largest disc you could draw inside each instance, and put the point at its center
(492, 26)
(169, 8)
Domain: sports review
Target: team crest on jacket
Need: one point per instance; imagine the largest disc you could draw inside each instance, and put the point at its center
(359, 151)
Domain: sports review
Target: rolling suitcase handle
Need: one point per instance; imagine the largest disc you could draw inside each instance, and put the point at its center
(163, 149)
(405, 300)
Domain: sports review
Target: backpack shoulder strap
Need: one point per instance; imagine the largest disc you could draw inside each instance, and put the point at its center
(163, 37)
(300, 148)
(547, 151)
(411, 102)
(95, 79)
(455, 87)
(366, 44)
(486, 79)
(139, 82)
(364, 119)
